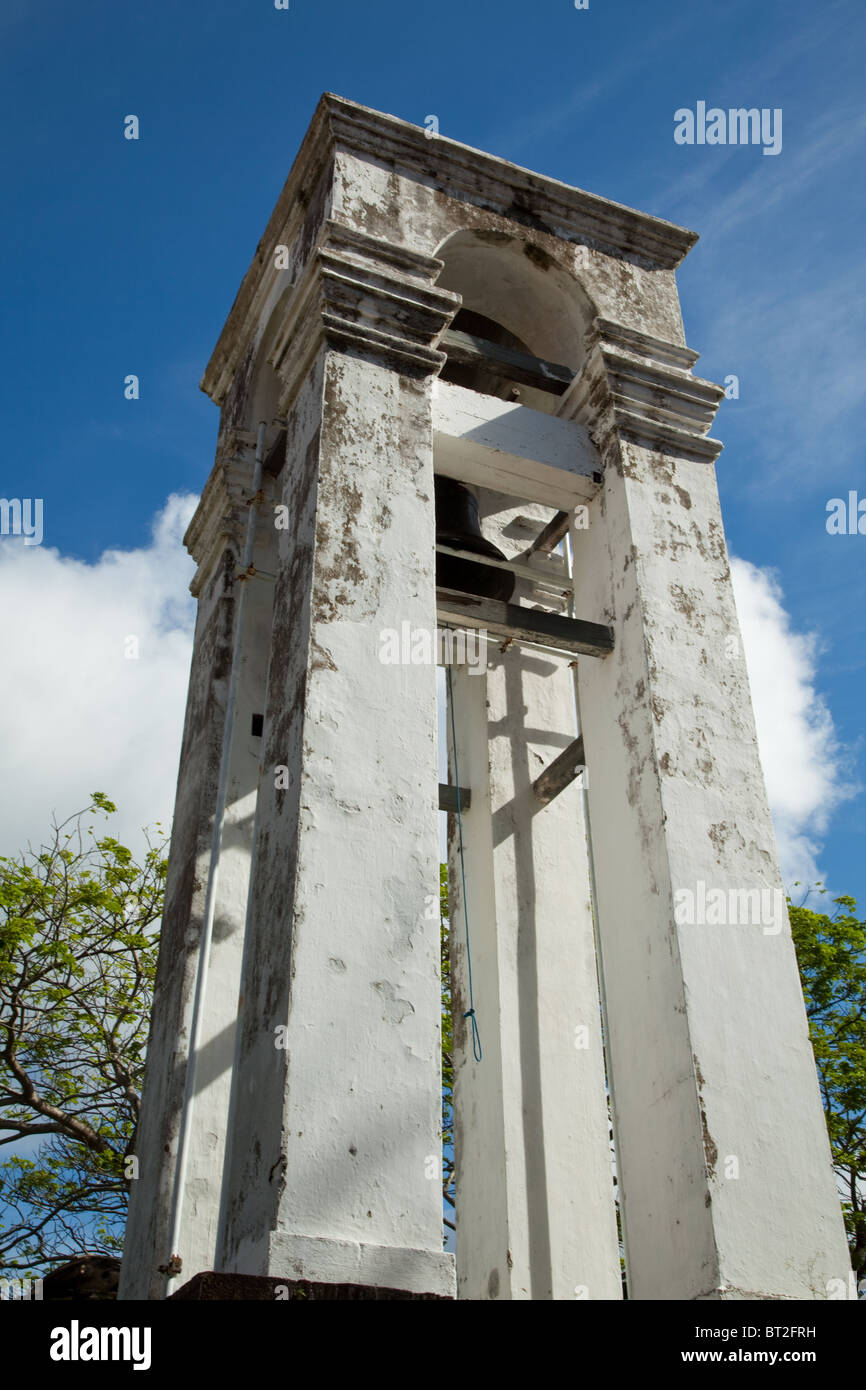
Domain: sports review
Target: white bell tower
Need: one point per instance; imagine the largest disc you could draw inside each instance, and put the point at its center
(417, 309)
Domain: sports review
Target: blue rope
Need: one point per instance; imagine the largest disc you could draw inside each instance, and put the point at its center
(470, 1012)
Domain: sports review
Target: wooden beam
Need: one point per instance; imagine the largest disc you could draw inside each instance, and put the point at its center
(548, 539)
(548, 579)
(448, 798)
(531, 625)
(506, 362)
(561, 773)
(519, 450)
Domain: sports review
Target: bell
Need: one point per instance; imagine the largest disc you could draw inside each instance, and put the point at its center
(457, 526)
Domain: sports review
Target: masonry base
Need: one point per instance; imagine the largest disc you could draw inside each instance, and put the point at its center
(270, 1289)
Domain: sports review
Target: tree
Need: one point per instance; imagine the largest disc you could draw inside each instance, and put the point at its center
(831, 954)
(78, 947)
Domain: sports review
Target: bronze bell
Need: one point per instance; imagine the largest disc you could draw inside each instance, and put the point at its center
(457, 525)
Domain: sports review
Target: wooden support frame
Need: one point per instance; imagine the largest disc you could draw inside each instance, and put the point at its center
(548, 539)
(506, 362)
(556, 579)
(448, 797)
(561, 772)
(528, 625)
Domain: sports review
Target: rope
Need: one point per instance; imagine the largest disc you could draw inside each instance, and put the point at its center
(470, 1012)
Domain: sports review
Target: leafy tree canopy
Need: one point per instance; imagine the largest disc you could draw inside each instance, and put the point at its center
(831, 953)
(78, 947)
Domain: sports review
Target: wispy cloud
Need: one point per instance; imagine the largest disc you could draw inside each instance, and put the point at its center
(798, 348)
(840, 137)
(803, 41)
(792, 328)
(769, 183)
(534, 128)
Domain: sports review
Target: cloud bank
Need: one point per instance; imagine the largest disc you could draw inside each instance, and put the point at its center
(80, 714)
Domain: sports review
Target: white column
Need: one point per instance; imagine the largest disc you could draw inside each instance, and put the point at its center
(724, 1158)
(534, 1191)
(163, 1221)
(200, 1199)
(335, 1172)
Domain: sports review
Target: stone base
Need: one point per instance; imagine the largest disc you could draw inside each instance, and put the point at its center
(265, 1288)
(324, 1260)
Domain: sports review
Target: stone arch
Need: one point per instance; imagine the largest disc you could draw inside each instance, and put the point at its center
(518, 284)
(264, 391)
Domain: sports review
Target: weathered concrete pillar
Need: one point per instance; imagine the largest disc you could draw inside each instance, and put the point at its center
(168, 1215)
(335, 1174)
(724, 1160)
(331, 1171)
(534, 1191)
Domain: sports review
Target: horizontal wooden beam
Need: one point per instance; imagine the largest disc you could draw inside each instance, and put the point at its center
(470, 351)
(530, 625)
(448, 798)
(556, 579)
(489, 442)
(561, 772)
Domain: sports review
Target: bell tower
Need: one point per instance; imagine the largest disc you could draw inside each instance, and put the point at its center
(455, 395)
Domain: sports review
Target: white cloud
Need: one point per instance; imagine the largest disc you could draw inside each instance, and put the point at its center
(78, 715)
(800, 753)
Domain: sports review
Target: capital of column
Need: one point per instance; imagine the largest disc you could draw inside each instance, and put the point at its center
(637, 387)
(220, 520)
(360, 292)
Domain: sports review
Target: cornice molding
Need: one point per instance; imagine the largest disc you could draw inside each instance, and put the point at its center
(364, 294)
(482, 179)
(499, 185)
(220, 519)
(641, 388)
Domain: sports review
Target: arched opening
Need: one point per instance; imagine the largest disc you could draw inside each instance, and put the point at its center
(477, 376)
(517, 297)
(265, 390)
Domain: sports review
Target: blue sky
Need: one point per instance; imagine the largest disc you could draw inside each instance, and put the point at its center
(124, 257)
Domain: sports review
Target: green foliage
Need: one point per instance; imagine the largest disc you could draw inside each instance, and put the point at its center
(831, 953)
(78, 947)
